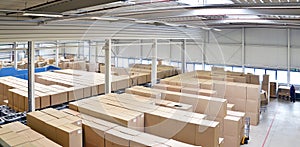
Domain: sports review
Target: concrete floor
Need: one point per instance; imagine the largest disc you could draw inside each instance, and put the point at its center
(279, 126)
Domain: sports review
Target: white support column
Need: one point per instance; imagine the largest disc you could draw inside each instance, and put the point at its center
(90, 48)
(170, 52)
(183, 60)
(141, 51)
(243, 49)
(154, 63)
(15, 55)
(107, 48)
(204, 48)
(57, 54)
(96, 52)
(288, 56)
(31, 97)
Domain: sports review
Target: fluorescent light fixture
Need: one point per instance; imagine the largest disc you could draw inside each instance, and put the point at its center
(243, 16)
(218, 30)
(144, 21)
(206, 28)
(42, 14)
(105, 18)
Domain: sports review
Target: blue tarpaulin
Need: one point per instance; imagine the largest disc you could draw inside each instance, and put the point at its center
(23, 73)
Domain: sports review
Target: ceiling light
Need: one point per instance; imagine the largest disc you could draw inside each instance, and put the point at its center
(218, 30)
(42, 14)
(206, 28)
(105, 18)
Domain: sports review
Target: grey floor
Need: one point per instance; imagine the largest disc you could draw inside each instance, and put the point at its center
(279, 126)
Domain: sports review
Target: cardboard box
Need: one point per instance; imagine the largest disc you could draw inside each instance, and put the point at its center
(94, 134)
(253, 92)
(145, 140)
(55, 113)
(231, 141)
(235, 91)
(232, 126)
(118, 138)
(254, 118)
(44, 142)
(230, 106)
(75, 94)
(69, 135)
(239, 104)
(16, 127)
(252, 106)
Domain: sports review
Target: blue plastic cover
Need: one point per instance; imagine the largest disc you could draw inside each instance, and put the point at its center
(23, 73)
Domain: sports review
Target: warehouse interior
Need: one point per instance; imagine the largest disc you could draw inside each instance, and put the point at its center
(149, 73)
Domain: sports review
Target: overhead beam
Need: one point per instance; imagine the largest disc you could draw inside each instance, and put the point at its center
(67, 5)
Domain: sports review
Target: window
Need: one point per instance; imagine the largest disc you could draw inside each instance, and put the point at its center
(130, 61)
(175, 64)
(145, 61)
(249, 70)
(190, 67)
(272, 75)
(281, 76)
(260, 72)
(228, 68)
(198, 67)
(125, 62)
(207, 67)
(295, 78)
(165, 62)
(237, 69)
(137, 61)
(119, 62)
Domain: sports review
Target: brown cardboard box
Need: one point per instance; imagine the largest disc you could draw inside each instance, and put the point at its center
(36, 120)
(145, 140)
(75, 94)
(44, 142)
(16, 127)
(254, 79)
(239, 104)
(252, 106)
(55, 113)
(254, 118)
(174, 143)
(117, 138)
(69, 135)
(231, 141)
(94, 134)
(253, 92)
(232, 126)
(12, 139)
(235, 91)
(30, 135)
(230, 106)
(58, 98)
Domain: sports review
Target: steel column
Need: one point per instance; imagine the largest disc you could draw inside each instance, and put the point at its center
(154, 63)
(107, 48)
(183, 59)
(31, 97)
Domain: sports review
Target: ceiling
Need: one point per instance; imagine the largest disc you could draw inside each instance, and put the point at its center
(147, 14)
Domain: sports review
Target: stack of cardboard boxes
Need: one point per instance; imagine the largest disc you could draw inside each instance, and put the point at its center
(186, 126)
(18, 135)
(62, 128)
